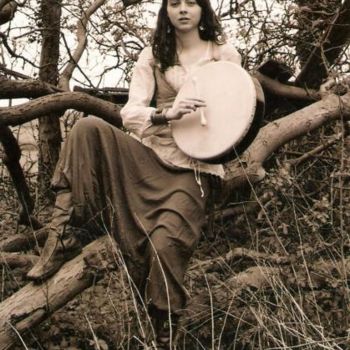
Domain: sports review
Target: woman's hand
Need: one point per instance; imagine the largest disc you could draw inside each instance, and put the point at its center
(185, 106)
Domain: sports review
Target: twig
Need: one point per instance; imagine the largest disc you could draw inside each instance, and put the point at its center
(12, 53)
(318, 149)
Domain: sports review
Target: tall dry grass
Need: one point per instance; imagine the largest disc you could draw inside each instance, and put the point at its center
(289, 290)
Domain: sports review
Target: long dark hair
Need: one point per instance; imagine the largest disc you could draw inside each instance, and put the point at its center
(164, 42)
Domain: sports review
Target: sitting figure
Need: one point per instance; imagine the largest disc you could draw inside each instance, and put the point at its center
(141, 187)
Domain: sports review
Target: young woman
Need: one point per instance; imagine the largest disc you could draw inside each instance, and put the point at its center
(141, 187)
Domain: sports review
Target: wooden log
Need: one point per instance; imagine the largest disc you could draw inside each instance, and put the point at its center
(35, 302)
(13, 260)
(20, 242)
(217, 264)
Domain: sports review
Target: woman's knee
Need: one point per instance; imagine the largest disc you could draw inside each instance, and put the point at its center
(167, 244)
(88, 125)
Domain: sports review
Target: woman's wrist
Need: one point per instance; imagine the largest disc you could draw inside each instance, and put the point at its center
(158, 117)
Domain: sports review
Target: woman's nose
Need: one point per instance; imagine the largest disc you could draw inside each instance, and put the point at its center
(183, 7)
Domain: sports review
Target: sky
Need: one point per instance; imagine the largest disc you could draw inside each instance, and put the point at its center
(94, 61)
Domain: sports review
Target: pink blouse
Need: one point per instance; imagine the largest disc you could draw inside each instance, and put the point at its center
(137, 112)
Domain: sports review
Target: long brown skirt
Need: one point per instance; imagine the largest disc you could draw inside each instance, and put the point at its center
(154, 211)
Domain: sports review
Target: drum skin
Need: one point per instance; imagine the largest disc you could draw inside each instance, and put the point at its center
(231, 104)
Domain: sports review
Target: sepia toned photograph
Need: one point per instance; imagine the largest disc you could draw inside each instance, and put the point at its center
(175, 175)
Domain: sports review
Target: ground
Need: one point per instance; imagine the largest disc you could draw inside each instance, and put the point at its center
(273, 277)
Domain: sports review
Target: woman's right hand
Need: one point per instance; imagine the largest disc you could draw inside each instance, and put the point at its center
(185, 106)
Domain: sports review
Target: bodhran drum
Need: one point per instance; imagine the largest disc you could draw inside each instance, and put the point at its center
(231, 119)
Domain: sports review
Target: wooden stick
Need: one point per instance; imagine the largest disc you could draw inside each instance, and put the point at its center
(203, 118)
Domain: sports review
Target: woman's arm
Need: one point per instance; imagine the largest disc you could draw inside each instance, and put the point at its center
(136, 114)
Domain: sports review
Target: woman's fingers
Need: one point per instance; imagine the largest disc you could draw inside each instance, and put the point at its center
(185, 106)
(192, 103)
(197, 101)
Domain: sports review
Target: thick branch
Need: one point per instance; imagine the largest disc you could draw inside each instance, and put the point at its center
(115, 95)
(58, 103)
(25, 88)
(283, 90)
(297, 124)
(281, 131)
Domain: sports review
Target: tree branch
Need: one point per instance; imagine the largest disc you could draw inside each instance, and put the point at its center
(249, 167)
(59, 103)
(82, 40)
(13, 53)
(287, 91)
(25, 88)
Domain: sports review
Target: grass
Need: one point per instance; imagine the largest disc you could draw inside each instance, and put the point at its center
(235, 304)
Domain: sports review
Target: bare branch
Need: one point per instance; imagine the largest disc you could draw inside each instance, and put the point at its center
(13, 73)
(316, 150)
(82, 40)
(58, 103)
(13, 53)
(25, 88)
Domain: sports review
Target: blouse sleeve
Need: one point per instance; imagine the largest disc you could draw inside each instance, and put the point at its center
(230, 53)
(137, 112)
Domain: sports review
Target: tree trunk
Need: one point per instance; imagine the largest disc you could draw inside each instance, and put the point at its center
(49, 125)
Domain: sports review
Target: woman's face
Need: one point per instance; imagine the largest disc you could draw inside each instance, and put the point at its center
(184, 15)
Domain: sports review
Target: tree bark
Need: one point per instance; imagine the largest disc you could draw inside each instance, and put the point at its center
(34, 303)
(49, 125)
(10, 89)
(59, 103)
(249, 167)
